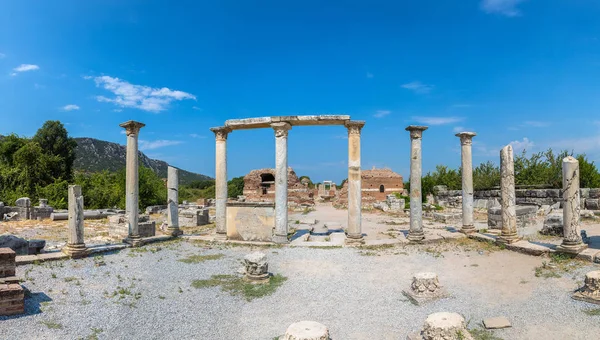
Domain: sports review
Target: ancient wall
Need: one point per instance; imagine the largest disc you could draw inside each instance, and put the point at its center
(247, 221)
(258, 187)
(378, 183)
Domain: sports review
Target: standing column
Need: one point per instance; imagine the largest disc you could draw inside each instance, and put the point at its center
(508, 233)
(132, 130)
(572, 242)
(173, 201)
(281, 181)
(466, 140)
(221, 181)
(354, 230)
(415, 233)
(75, 246)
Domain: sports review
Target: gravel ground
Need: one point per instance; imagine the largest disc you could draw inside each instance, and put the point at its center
(356, 296)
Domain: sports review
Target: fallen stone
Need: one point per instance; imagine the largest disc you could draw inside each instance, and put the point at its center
(496, 323)
(445, 326)
(19, 245)
(590, 292)
(306, 330)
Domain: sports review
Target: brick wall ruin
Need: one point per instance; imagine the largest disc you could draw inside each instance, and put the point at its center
(259, 186)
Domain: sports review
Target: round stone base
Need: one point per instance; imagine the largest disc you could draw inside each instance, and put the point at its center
(280, 239)
(467, 229)
(263, 279)
(221, 236)
(354, 239)
(507, 239)
(590, 292)
(135, 241)
(306, 330)
(75, 250)
(174, 231)
(447, 326)
(415, 236)
(574, 249)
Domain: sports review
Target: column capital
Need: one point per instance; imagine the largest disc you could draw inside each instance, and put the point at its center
(221, 132)
(132, 127)
(354, 126)
(281, 128)
(416, 131)
(466, 138)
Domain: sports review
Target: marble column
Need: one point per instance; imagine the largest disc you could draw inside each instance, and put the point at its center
(572, 242)
(466, 141)
(132, 129)
(508, 234)
(354, 231)
(415, 232)
(173, 201)
(281, 181)
(221, 181)
(75, 245)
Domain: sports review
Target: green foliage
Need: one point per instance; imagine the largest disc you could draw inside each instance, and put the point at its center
(201, 184)
(588, 173)
(486, 176)
(235, 187)
(53, 138)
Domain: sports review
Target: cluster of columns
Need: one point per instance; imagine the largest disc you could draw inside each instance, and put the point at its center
(281, 129)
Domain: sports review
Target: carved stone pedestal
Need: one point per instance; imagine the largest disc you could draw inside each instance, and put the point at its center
(306, 330)
(443, 326)
(256, 268)
(590, 292)
(425, 287)
(75, 251)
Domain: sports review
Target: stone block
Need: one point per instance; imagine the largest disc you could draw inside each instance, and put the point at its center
(7, 262)
(193, 217)
(250, 221)
(553, 193)
(36, 246)
(585, 192)
(12, 299)
(121, 230)
(18, 244)
(592, 203)
(496, 323)
(553, 224)
(594, 192)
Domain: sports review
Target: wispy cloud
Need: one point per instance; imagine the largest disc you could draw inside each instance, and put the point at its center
(370, 75)
(195, 135)
(458, 129)
(151, 145)
(381, 113)
(117, 110)
(24, 68)
(418, 87)
(70, 107)
(502, 7)
(436, 120)
(139, 96)
(522, 145)
(196, 108)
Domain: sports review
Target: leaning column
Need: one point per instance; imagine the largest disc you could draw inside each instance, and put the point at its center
(173, 201)
(466, 140)
(572, 242)
(415, 233)
(354, 230)
(132, 129)
(221, 181)
(75, 247)
(281, 181)
(508, 234)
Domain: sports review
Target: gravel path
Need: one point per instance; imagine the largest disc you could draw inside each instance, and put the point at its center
(356, 296)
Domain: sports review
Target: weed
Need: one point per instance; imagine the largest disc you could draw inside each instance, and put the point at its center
(161, 297)
(592, 312)
(94, 335)
(238, 286)
(53, 275)
(201, 258)
(52, 324)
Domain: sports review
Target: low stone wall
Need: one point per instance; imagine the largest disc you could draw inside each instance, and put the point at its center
(119, 227)
(526, 215)
(193, 217)
(250, 221)
(590, 198)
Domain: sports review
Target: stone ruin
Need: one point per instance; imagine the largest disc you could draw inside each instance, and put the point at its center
(590, 292)
(256, 268)
(23, 210)
(119, 226)
(376, 186)
(391, 204)
(306, 330)
(425, 287)
(12, 295)
(443, 326)
(259, 186)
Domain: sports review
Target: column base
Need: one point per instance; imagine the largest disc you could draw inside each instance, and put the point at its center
(174, 231)
(75, 251)
(134, 240)
(571, 248)
(507, 239)
(354, 239)
(221, 236)
(280, 239)
(415, 237)
(467, 229)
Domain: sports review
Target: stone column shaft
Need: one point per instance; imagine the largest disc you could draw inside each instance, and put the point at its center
(281, 181)
(354, 230)
(508, 233)
(572, 242)
(173, 201)
(416, 196)
(75, 244)
(132, 129)
(221, 180)
(466, 140)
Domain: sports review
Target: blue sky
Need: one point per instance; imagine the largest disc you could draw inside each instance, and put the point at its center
(525, 72)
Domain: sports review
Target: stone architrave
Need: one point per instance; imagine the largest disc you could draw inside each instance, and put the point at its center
(75, 244)
(572, 242)
(256, 268)
(354, 231)
(306, 330)
(173, 201)
(425, 287)
(415, 234)
(132, 129)
(466, 141)
(281, 181)
(590, 292)
(508, 232)
(221, 134)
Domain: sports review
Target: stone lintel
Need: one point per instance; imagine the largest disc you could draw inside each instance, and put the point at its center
(265, 122)
(251, 204)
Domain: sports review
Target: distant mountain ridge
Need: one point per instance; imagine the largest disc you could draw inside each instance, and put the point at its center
(94, 155)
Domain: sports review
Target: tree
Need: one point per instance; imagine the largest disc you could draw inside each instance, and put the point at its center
(486, 176)
(54, 139)
(588, 173)
(235, 187)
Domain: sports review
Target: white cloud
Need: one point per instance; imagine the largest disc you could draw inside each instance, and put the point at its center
(503, 7)
(196, 108)
(195, 135)
(418, 87)
(521, 145)
(381, 113)
(24, 68)
(70, 107)
(436, 120)
(87, 77)
(370, 75)
(458, 129)
(138, 96)
(151, 145)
